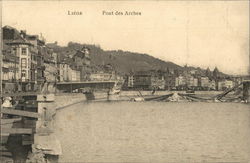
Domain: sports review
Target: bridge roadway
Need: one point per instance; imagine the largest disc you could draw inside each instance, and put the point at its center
(70, 86)
(66, 87)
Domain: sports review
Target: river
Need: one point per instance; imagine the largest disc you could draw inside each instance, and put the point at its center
(154, 132)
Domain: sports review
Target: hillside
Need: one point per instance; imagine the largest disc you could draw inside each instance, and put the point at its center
(122, 61)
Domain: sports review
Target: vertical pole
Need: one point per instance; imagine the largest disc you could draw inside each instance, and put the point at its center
(15, 63)
(1, 59)
(55, 82)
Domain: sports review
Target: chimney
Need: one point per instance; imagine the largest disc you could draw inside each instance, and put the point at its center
(23, 33)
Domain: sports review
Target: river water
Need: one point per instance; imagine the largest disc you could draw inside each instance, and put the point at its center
(154, 132)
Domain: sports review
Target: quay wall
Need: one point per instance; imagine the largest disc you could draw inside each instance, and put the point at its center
(133, 93)
(66, 99)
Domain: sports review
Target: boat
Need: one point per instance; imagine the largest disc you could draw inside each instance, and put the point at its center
(190, 91)
(114, 92)
(116, 89)
(138, 99)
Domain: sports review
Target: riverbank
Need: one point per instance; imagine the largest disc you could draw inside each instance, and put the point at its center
(64, 99)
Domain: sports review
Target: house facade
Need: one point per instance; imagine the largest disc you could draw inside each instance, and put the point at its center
(20, 48)
(10, 66)
(82, 63)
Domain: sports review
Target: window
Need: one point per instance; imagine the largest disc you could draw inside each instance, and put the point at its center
(23, 73)
(23, 63)
(14, 51)
(24, 51)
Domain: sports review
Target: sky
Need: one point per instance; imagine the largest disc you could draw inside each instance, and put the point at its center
(197, 33)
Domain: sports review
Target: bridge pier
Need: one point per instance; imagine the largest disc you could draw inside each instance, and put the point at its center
(45, 141)
(246, 90)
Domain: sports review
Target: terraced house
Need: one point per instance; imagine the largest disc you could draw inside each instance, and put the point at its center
(19, 49)
(23, 57)
(81, 61)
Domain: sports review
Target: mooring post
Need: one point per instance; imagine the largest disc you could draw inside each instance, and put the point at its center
(246, 90)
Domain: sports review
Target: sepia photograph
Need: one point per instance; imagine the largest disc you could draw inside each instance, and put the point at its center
(130, 81)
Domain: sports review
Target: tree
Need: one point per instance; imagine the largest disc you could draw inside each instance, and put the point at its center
(208, 73)
(216, 76)
(215, 73)
(168, 71)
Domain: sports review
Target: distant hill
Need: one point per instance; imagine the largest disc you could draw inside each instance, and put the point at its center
(123, 61)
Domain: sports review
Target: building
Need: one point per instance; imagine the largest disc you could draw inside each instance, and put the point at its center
(146, 80)
(229, 84)
(225, 84)
(130, 79)
(105, 76)
(142, 80)
(212, 85)
(74, 75)
(50, 72)
(67, 72)
(180, 81)
(157, 82)
(101, 76)
(10, 67)
(38, 52)
(81, 62)
(189, 81)
(30, 51)
(195, 83)
(193, 72)
(64, 70)
(21, 48)
(204, 82)
(50, 64)
(169, 81)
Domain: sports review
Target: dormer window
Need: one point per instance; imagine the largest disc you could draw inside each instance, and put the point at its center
(24, 51)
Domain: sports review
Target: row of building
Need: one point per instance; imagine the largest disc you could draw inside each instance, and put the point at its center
(23, 59)
(149, 80)
(203, 83)
(29, 62)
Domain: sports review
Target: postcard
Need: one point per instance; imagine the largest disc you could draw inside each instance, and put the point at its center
(125, 81)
